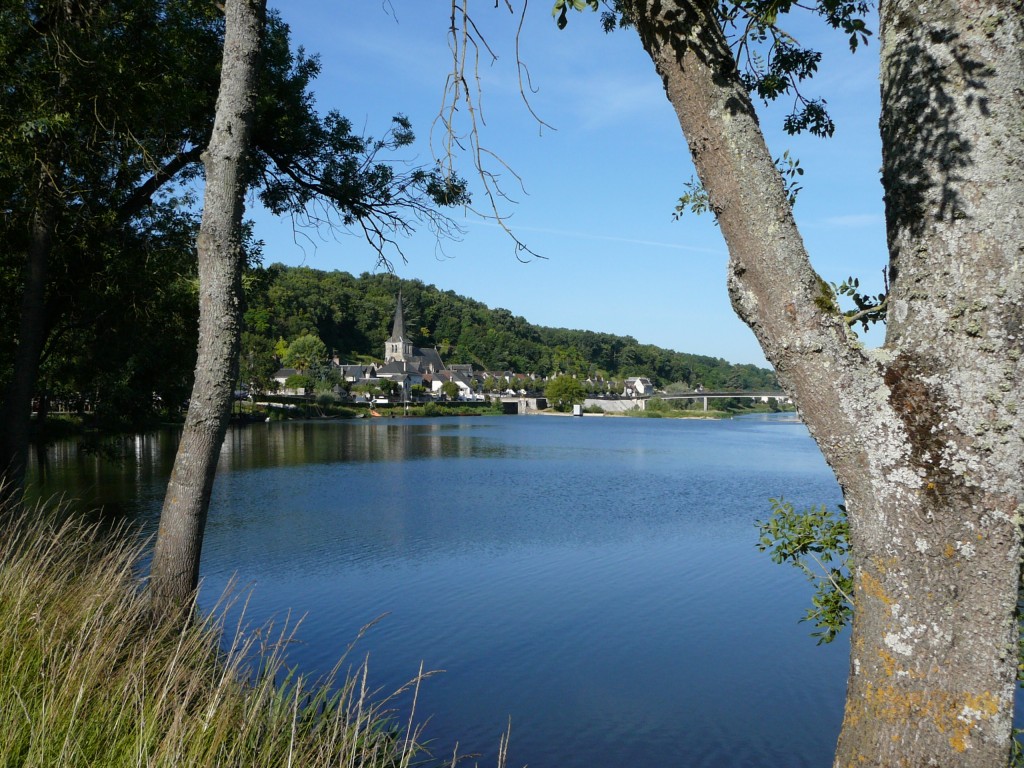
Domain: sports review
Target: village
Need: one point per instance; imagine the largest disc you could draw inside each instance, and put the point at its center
(415, 374)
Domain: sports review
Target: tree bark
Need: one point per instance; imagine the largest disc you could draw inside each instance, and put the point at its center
(924, 435)
(16, 413)
(174, 573)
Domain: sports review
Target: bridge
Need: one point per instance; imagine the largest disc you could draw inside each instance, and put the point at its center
(705, 395)
(621, 403)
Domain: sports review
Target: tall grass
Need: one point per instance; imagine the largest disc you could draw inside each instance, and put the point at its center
(87, 680)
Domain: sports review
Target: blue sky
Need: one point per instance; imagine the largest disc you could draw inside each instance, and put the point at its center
(601, 187)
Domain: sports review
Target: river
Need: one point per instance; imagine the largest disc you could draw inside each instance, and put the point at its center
(593, 581)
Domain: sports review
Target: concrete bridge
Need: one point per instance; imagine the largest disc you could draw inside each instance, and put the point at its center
(705, 395)
(639, 402)
(521, 404)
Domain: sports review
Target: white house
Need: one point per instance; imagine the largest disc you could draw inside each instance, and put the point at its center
(636, 386)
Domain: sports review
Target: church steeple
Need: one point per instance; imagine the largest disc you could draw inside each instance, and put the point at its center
(397, 347)
(398, 325)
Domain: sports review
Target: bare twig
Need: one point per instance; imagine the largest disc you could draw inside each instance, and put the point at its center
(461, 102)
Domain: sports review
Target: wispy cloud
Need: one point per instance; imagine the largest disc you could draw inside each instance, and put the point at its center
(609, 238)
(603, 104)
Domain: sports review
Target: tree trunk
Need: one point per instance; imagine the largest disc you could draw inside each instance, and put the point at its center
(16, 413)
(175, 568)
(924, 435)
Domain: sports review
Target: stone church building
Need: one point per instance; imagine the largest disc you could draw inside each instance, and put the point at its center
(401, 357)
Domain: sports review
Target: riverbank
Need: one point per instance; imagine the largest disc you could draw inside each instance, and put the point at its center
(88, 679)
(657, 409)
(709, 415)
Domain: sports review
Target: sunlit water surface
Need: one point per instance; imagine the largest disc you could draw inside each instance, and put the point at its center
(593, 581)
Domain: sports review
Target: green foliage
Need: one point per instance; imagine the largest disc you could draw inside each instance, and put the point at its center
(325, 378)
(450, 390)
(299, 381)
(564, 392)
(111, 140)
(695, 199)
(562, 6)
(325, 398)
(817, 542)
(869, 309)
(657, 405)
(790, 169)
(257, 362)
(304, 352)
(103, 126)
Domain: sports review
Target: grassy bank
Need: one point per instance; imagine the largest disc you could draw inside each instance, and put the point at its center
(88, 681)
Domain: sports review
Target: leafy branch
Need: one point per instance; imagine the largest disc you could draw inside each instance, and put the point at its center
(869, 308)
(695, 199)
(790, 169)
(772, 62)
(817, 542)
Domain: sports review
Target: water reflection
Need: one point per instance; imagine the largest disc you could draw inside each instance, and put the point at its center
(126, 475)
(285, 444)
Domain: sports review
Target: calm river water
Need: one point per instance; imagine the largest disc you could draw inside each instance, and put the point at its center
(594, 580)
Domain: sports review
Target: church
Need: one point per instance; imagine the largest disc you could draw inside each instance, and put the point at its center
(410, 365)
(401, 357)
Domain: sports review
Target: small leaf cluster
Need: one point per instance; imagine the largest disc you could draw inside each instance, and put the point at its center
(561, 8)
(812, 117)
(778, 74)
(816, 541)
(695, 199)
(870, 308)
(845, 15)
(790, 169)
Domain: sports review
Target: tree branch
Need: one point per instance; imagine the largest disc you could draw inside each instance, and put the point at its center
(142, 195)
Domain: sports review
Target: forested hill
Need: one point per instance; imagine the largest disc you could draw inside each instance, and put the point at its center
(352, 316)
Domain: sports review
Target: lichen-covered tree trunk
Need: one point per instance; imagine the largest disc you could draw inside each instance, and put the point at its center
(924, 435)
(174, 574)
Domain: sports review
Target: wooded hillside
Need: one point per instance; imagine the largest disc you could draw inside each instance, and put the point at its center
(352, 316)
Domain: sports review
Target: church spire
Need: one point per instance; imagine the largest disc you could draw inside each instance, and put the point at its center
(398, 326)
(398, 347)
